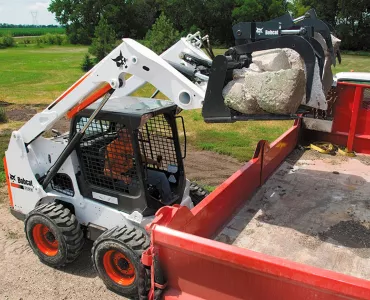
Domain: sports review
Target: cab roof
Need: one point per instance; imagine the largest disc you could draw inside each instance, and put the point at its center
(132, 106)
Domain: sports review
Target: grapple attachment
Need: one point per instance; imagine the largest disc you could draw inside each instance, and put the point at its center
(309, 19)
(250, 37)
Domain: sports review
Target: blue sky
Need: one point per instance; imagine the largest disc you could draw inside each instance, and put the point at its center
(19, 12)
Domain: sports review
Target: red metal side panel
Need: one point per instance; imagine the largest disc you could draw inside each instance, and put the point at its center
(217, 209)
(200, 268)
(208, 217)
(275, 154)
(363, 111)
(204, 269)
(343, 107)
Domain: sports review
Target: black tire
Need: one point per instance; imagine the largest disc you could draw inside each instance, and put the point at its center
(54, 234)
(116, 256)
(197, 193)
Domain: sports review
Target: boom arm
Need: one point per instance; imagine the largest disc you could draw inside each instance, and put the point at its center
(129, 57)
(189, 45)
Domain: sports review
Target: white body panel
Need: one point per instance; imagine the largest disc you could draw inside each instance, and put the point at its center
(41, 155)
(189, 45)
(352, 76)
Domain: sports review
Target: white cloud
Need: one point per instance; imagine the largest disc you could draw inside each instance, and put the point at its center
(39, 6)
(23, 10)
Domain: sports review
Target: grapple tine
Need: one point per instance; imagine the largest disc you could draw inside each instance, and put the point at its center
(320, 27)
(320, 54)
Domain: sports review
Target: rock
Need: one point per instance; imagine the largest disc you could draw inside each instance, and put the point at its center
(279, 92)
(317, 92)
(236, 98)
(240, 73)
(295, 60)
(336, 43)
(318, 37)
(254, 67)
(271, 60)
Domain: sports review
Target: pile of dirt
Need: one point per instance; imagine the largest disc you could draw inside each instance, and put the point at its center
(349, 234)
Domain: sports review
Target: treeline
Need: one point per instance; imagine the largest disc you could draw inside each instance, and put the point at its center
(6, 25)
(134, 18)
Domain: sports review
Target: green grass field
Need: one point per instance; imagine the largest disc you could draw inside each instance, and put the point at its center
(30, 31)
(36, 76)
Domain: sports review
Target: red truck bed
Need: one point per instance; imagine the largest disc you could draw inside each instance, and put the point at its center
(277, 238)
(314, 209)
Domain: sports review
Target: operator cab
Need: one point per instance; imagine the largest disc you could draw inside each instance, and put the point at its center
(147, 131)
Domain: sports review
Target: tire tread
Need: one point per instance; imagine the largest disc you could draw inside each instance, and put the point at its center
(67, 223)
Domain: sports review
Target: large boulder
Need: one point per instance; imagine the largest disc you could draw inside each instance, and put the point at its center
(277, 92)
(276, 82)
(295, 60)
(318, 98)
(240, 73)
(271, 60)
(263, 92)
(236, 97)
(336, 43)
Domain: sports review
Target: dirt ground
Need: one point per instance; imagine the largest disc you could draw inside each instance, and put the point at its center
(23, 276)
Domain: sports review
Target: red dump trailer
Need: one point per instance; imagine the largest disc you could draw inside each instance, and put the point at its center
(287, 225)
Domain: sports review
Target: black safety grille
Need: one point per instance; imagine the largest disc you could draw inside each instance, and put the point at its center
(366, 99)
(156, 140)
(108, 156)
(62, 183)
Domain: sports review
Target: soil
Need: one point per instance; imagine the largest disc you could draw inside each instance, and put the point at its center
(209, 168)
(27, 278)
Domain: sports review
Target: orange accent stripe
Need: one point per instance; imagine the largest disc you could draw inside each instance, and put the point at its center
(16, 185)
(65, 94)
(8, 183)
(89, 100)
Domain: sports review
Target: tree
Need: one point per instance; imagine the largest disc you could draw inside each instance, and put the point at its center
(129, 18)
(248, 10)
(297, 8)
(162, 35)
(79, 18)
(349, 18)
(104, 40)
(258, 10)
(87, 63)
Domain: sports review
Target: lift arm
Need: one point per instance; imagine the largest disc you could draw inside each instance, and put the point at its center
(130, 57)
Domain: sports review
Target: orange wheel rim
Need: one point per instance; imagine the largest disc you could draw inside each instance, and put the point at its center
(45, 240)
(119, 268)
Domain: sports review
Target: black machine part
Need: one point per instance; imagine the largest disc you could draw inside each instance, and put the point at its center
(248, 31)
(282, 32)
(214, 108)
